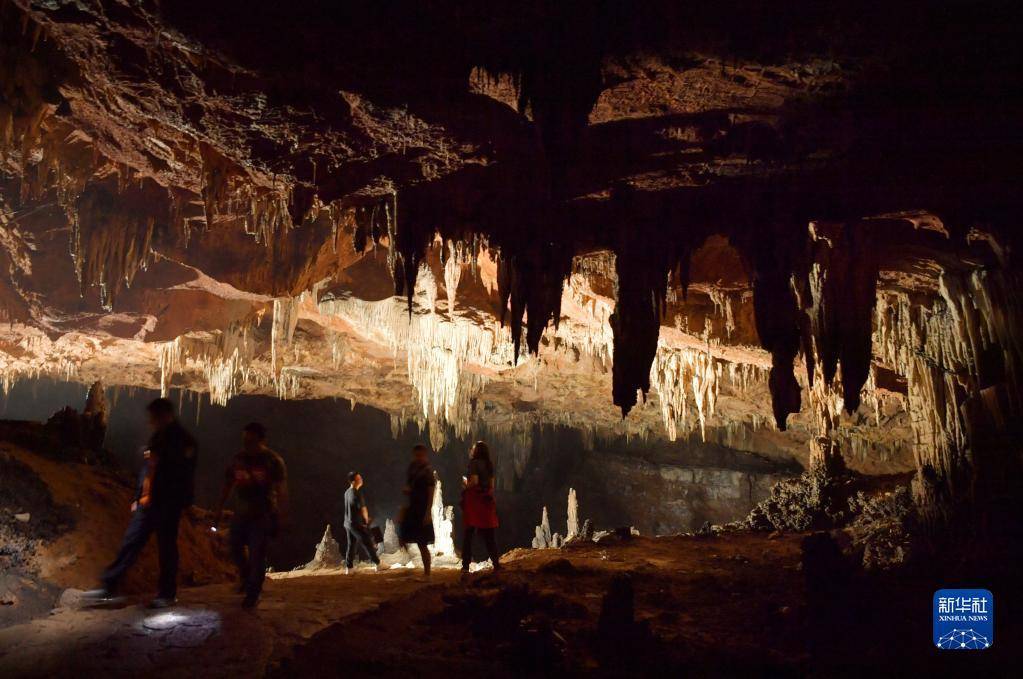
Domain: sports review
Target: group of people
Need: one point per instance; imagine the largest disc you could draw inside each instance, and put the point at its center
(415, 524)
(257, 477)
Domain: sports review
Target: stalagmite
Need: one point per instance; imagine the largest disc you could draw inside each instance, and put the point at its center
(95, 417)
(328, 553)
(443, 524)
(390, 545)
(573, 515)
(543, 538)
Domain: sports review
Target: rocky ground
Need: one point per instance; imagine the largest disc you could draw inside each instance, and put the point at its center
(61, 522)
(734, 604)
(208, 633)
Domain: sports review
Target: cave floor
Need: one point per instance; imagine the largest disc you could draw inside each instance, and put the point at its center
(736, 604)
(207, 634)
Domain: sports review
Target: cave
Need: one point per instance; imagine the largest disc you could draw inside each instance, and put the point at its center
(731, 291)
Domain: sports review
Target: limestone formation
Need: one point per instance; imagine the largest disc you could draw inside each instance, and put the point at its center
(390, 543)
(573, 516)
(95, 417)
(543, 538)
(443, 524)
(328, 553)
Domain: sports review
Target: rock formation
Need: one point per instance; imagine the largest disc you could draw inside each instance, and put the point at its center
(572, 529)
(443, 524)
(390, 544)
(328, 553)
(543, 539)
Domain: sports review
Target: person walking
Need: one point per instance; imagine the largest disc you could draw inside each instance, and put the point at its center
(416, 525)
(357, 523)
(259, 477)
(166, 487)
(479, 507)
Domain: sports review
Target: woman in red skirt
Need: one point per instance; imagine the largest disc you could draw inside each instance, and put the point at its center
(479, 509)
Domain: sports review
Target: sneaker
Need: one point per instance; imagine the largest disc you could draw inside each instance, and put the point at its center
(250, 601)
(101, 594)
(345, 570)
(380, 567)
(162, 602)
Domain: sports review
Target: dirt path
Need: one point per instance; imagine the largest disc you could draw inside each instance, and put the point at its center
(207, 632)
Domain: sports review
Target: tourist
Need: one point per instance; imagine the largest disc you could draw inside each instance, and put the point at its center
(479, 508)
(165, 489)
(357, 523)
(416, 524)
(259, 476)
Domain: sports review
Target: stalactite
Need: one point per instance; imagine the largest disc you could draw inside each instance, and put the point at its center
(224, 359)
(110, 240)
(530, 285)
(960, 354)
(458, 257)
(839, 299)
(776, 314)
(722, 300)
(636, 324)
(35, 355)
(282, 330)
(229, 189)
(595, 338)
(287, 384)
(338, 348)
(679, 374)
(438, 349)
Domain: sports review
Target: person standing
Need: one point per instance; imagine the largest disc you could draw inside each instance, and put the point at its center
(259, 476)
(416, 525)
(166, 487)
(357, 523)
(479, 507)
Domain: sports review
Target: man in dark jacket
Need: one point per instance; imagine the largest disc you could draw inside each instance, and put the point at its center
(259, 478)
(165, 489)
(357, 523)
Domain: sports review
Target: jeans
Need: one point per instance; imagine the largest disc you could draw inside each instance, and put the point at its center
(251, 535)
(488, 538)
(359, 536)
(144, 522)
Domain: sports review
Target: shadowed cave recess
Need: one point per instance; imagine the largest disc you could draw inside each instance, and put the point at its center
(753, 265)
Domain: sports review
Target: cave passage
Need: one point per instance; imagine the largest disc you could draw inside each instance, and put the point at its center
(323, 440)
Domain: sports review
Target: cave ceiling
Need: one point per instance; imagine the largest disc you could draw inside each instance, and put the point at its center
(722, 223)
